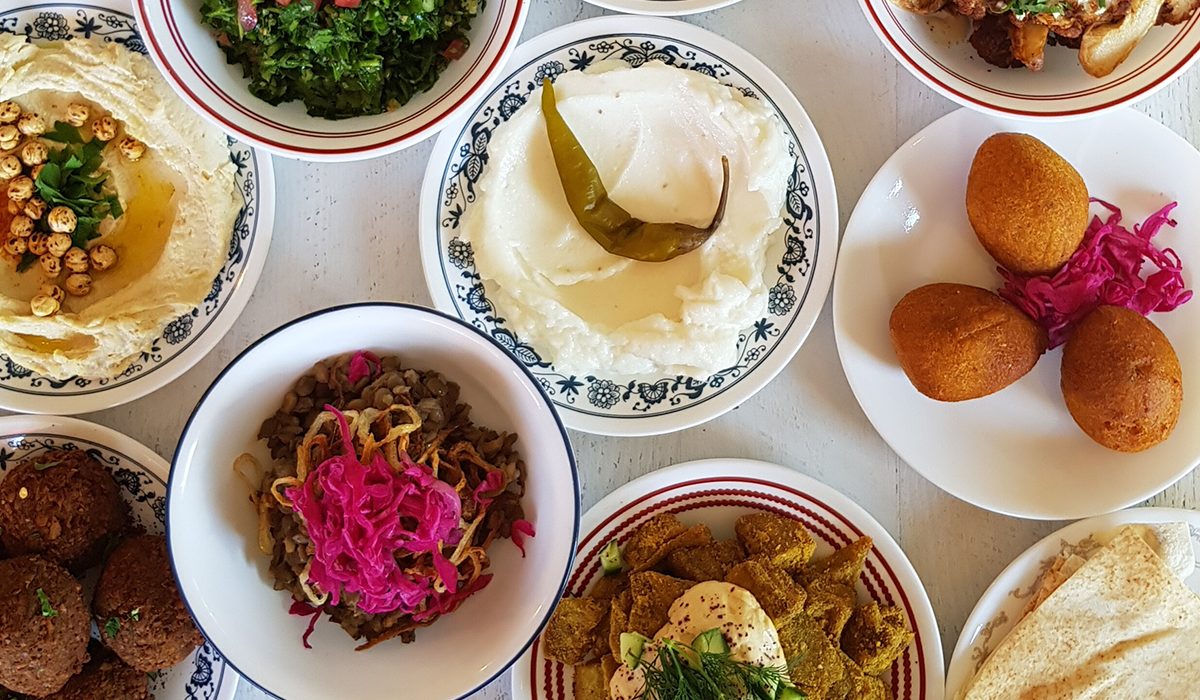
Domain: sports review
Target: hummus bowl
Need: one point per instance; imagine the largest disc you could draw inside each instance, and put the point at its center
(141, 476)
(798, 264)
(187, 52)
(189, 337)
(213, 529)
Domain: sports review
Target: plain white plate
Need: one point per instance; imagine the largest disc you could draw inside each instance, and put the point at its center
(141, 476)
(187, 339)
(186, 51)
(998, 611)
(663, 8)
(1017, 451)
(719, 491)
(936, 51)
(802, 255)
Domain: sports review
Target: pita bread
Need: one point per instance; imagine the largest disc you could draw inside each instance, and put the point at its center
(1123, 626)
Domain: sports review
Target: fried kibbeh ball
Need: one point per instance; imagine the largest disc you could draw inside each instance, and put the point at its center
(1121, 380)
(956, 342)
(105, 677)
(1028, 206)
(63, 505)
(44, 626)
(138, 607)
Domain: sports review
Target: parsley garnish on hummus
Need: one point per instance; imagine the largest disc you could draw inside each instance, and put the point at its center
(72, 178)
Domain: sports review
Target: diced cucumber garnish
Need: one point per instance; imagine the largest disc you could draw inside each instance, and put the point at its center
(710, 642)
(632, 645)
(610, 559)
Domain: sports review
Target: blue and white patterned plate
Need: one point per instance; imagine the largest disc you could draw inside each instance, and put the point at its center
(190, 337)
(142, 477)
(799, 278)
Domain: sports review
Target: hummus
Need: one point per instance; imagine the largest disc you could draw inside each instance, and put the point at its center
(657, 135)
(180, 203)
(746, 627)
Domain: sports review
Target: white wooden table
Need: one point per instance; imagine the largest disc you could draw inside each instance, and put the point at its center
(348, 233)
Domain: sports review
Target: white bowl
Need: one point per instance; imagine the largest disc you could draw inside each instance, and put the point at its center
(211, 527)
(187, 53)
(663, 8)
(941, 58)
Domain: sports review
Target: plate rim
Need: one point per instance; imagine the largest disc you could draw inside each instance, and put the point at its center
(243, 287)
(871, 411)
(658, 8)
(963, 98)
(181, 446)
(1024, 563)
(826, 206)
(26, 424)
(685, 473)
(342, 154)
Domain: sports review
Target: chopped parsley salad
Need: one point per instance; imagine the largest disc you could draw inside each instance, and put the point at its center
(342, 58)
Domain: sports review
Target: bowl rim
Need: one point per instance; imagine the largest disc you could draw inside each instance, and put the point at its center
(399, 306)
(659, 8)
(484, 75)
(1122, 97)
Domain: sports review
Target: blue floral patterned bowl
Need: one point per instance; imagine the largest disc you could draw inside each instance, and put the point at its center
(142, 477)
(190, 337)
(799, 277)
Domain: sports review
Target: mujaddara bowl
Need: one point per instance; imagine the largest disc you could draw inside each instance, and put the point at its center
(801, 258)
(188, 338)
(187, 52)
(212, 527)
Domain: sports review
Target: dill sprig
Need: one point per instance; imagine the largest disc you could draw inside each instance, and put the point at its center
(681, 672)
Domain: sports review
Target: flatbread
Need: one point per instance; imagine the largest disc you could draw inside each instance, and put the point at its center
(1123, 626)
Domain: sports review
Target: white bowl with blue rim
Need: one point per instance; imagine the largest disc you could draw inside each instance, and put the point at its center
(212, 526)
(187, 339)
(663, 8)
(141, 477)
(798, 280)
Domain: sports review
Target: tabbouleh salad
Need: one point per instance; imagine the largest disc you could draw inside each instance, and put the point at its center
(342, 58)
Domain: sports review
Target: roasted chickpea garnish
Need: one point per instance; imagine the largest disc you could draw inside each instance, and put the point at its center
(105, 128)
(76, 260)
(9, 112)
(61, 220)
(37, 244)
(78, 284)
(57, 244)
(16, 246)
(131, 148)
(34, 153)
(20, 227)
(20, 188)
(77, 114)
(42, 305)
(54, 291)
(103, 257)
(31, 124)
(10, 167)
(51, 265)
(36, 208)
(10, 136)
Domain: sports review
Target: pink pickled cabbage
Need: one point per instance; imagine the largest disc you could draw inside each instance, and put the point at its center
(363, 364)
(302, 609)
(1106, 270)
(357, 526)
(448, 602)
(492, 483)
(520, 530)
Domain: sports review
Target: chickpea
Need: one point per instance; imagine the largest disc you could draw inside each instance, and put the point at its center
(61, 220)
(20, 227)
(36, 208)
(77, 114)
(16, 246)
(37, 170)
(103, 257)
(10, 136)
(131, 148)
(31, 124)
(105, 128)
(42, 305)
(78, 284)
(34, 153)
(10, 167)
(37, 244)
(9, 112)
(76, 260)
(55, 292)
(20, 189)
(51, 265)
(57, 244)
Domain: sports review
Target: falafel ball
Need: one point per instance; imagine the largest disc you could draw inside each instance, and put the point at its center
(138, 591)
(1028, 206)
(105, 677)
(44, 626)
(1121, 380)
(61, 505)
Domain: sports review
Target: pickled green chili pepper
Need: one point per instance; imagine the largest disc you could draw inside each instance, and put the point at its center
(610, 225)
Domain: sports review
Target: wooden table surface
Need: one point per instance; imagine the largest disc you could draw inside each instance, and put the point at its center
(348, 232)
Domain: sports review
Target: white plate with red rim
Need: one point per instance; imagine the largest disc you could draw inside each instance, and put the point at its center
(935, 50)
(1000, 608)
(186, 51)
(718, 491)
(141, 476)
(663, 8)
(1018, 451)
